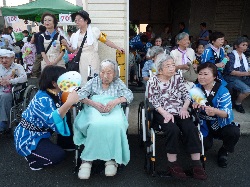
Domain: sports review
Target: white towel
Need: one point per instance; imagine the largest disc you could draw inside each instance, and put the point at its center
(237, 60)
(75, 37)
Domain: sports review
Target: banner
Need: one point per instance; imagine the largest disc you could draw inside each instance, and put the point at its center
(11, 19)
(65, 18)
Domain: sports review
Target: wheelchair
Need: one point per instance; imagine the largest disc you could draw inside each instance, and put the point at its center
(147, 132)
(21, 96)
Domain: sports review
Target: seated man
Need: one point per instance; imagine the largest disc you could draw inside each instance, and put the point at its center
(101, 126)
(170, 98)
(10, 74)
(237, 73)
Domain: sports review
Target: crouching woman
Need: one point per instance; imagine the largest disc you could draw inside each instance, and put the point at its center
(44, 115)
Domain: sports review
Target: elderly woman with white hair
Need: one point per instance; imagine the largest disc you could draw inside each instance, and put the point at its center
(170, 98)
(101, 126)
(184, 58)
(149, 64)
(10, 74)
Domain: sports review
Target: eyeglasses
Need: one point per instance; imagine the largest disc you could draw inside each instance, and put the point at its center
(77, 20)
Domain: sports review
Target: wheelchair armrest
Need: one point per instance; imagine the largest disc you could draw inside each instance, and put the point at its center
(21, 84)
(18, 86)
(149, 105)
(124, 104)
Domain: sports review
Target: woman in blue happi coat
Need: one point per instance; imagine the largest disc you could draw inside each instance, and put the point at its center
(215, 53)
(44, 115)
(216, 117)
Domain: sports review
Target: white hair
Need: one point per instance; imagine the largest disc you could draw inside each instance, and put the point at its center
(112, 64)
(160, 59)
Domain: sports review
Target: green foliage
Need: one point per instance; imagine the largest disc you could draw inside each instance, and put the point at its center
(133, 26)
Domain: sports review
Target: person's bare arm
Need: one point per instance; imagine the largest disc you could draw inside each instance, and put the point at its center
(112, 45)
(240, 74)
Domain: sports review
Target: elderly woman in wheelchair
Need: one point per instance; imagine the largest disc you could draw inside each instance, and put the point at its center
(170, 98)
(10, 74)
(101, 125)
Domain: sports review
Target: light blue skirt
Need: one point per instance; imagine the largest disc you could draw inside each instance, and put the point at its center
(104, 136)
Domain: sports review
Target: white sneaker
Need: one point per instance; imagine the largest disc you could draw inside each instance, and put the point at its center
(85, 170)
(110, 168)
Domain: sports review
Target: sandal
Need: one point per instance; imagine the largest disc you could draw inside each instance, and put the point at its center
(110, 168)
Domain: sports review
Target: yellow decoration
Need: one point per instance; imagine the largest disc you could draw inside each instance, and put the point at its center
(62, 48)
(120, 59)
(65, 85)
(195, 61)
(103, 37)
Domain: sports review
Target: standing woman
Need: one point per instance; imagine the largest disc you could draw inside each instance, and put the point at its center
(183, 56)
(50, 42)
(89, 55)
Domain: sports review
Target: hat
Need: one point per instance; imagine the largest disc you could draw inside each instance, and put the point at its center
(7, 53)
(83, 14)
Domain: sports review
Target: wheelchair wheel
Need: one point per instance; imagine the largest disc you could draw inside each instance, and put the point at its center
(148, 164)
(140, 132)
(28, 95)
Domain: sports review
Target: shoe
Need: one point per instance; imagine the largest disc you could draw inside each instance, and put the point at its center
(177, 171)
(199, 173)
(222, 158)
(110, 168)
(85, 170)
(239, 108)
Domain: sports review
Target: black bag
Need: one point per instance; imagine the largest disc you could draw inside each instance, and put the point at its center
(73, 65)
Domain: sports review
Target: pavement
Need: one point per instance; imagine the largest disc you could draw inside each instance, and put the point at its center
(14, 170)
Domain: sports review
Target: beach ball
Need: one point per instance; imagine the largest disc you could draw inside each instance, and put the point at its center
(68, 80)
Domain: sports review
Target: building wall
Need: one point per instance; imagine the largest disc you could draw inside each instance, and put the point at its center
(180, 13)
(201, 11)
(110, 17)
(246, 19)
(228, 16)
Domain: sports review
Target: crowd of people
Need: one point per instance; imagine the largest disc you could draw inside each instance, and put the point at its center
(170, 68)
(232, 61)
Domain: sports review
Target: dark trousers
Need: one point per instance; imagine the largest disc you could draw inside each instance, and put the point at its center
(229, 134)
(66, 142)
(46, 154)
(173, 131)
(37, 65)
